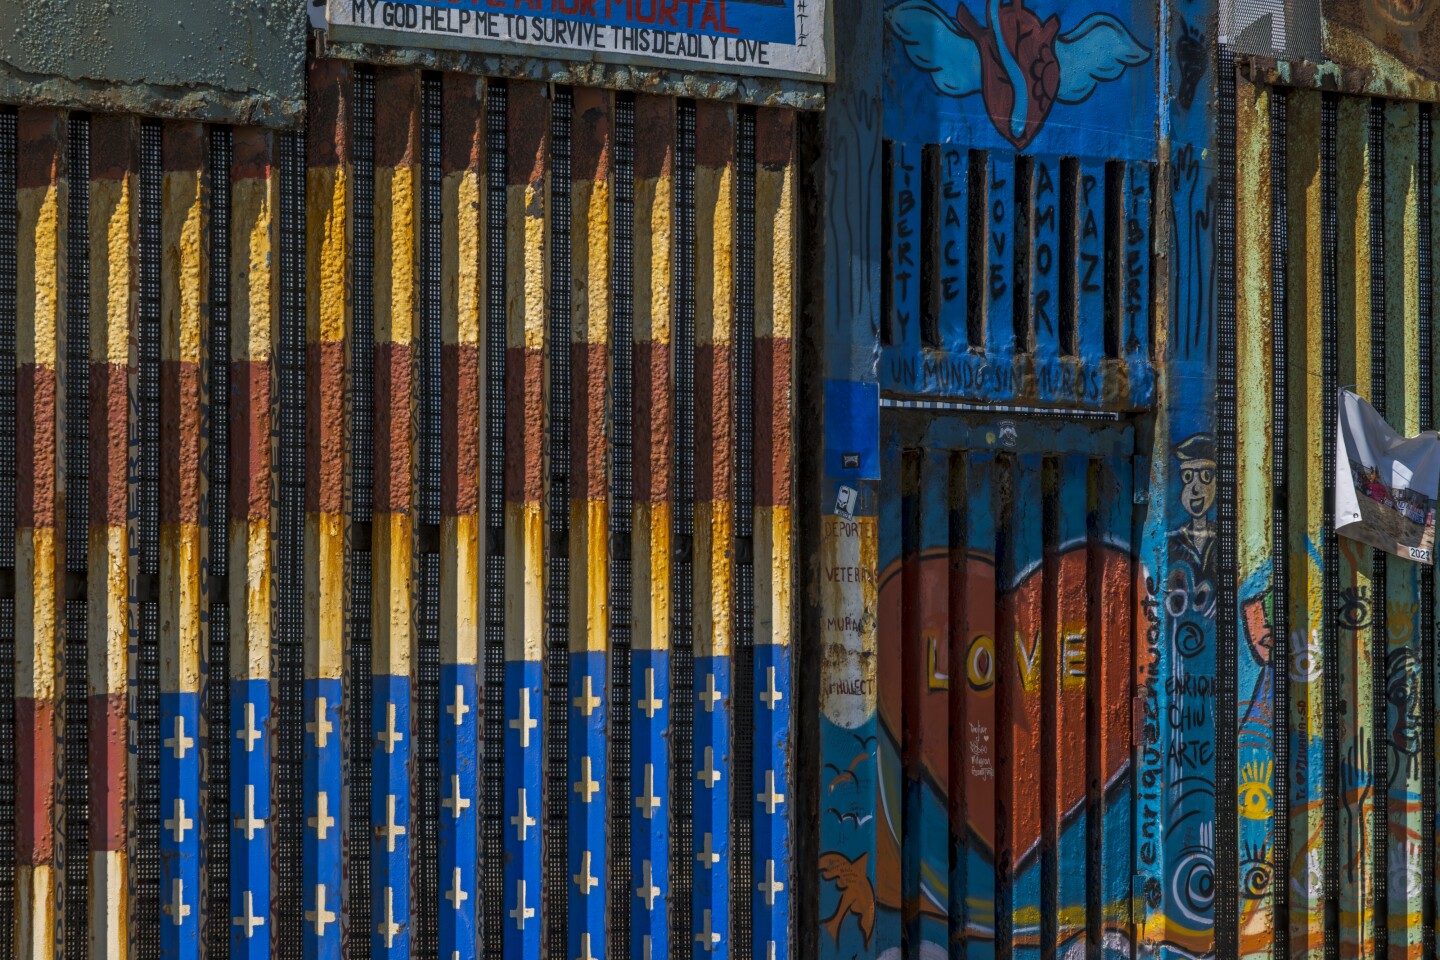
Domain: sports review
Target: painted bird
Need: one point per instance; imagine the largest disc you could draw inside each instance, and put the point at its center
(857, 893)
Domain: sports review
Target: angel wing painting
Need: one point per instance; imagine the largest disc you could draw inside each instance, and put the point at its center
(1019, 64)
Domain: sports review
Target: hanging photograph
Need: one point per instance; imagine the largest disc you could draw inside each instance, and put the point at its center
(1385, 484)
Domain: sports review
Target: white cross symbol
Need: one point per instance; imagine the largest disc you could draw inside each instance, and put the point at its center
(179, 743)
(585, 953)
(707, 854)
(707, 937)
(770, 886)
(709, 696)
(585, 786)
(772, 694)
(177, 908)
(455, 803)
(521, 821)
(389, 736)
(320, 726)
(390, 829)
(248, 823)
(709, 776)
(179, 823)
(521, 913)
(648, 803)
(587, 701)
(650, 703)
(248, 921)
(524, 723)
(249, 733)
(770, 798)
(647, 890)
(583, 879)
(458, 709)
(320, 916)
(387, 927)
(456, 894)
(322, 821)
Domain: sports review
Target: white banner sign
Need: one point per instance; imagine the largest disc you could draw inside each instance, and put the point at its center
(777, 37)
(1385, 484)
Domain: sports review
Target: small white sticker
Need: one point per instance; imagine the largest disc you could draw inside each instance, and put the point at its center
(845, 503)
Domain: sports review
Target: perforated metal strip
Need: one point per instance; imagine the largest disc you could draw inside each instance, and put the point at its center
(218, 360)
(361, 428)
(1426, 268)
(147, 789)
(75, 746)
(7, 764)
(362, 302)
(622, 503)
(682, 638)
(1280, 486)
(145, 552)
(77, 347)
(1115, 247)
(1226, 828)
(1330, 639)
(216, 781)
(1379, 636)
(1023, 241)
(931, 213)
(76, 787)
(289, 647)
(557, 523)
(887, 244)
(743, 747)
(431, 278)
(1005, 573)
(7, 533)
(7, 344)
(496, 145)
(425, 818)
(148, 352)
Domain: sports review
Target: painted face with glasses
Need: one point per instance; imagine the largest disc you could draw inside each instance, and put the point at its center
(1197, 486)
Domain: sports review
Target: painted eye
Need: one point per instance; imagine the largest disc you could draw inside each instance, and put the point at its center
(1254, 801)
(1255, 872)
(1192, 884)
(1354, 611)
(1253, 793)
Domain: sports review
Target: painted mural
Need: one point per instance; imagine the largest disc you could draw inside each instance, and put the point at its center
(991, 83)
(1175, 806)
(1377, 33)
(969, 821)
(990, 298)
(1000, 745)
(1029, 75)
(1175, 672)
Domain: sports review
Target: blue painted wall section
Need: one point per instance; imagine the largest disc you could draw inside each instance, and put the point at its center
(1037, 193)
(1018, 252)
(1176, 803)
(249, 819)
(846, 780)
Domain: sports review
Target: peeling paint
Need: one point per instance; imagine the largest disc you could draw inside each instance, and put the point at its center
(234, 61)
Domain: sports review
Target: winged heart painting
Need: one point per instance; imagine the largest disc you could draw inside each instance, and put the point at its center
(1019, 67)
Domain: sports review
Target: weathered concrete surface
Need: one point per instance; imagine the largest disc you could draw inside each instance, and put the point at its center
(241, 61)
(759, 91)
(1391, 36)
